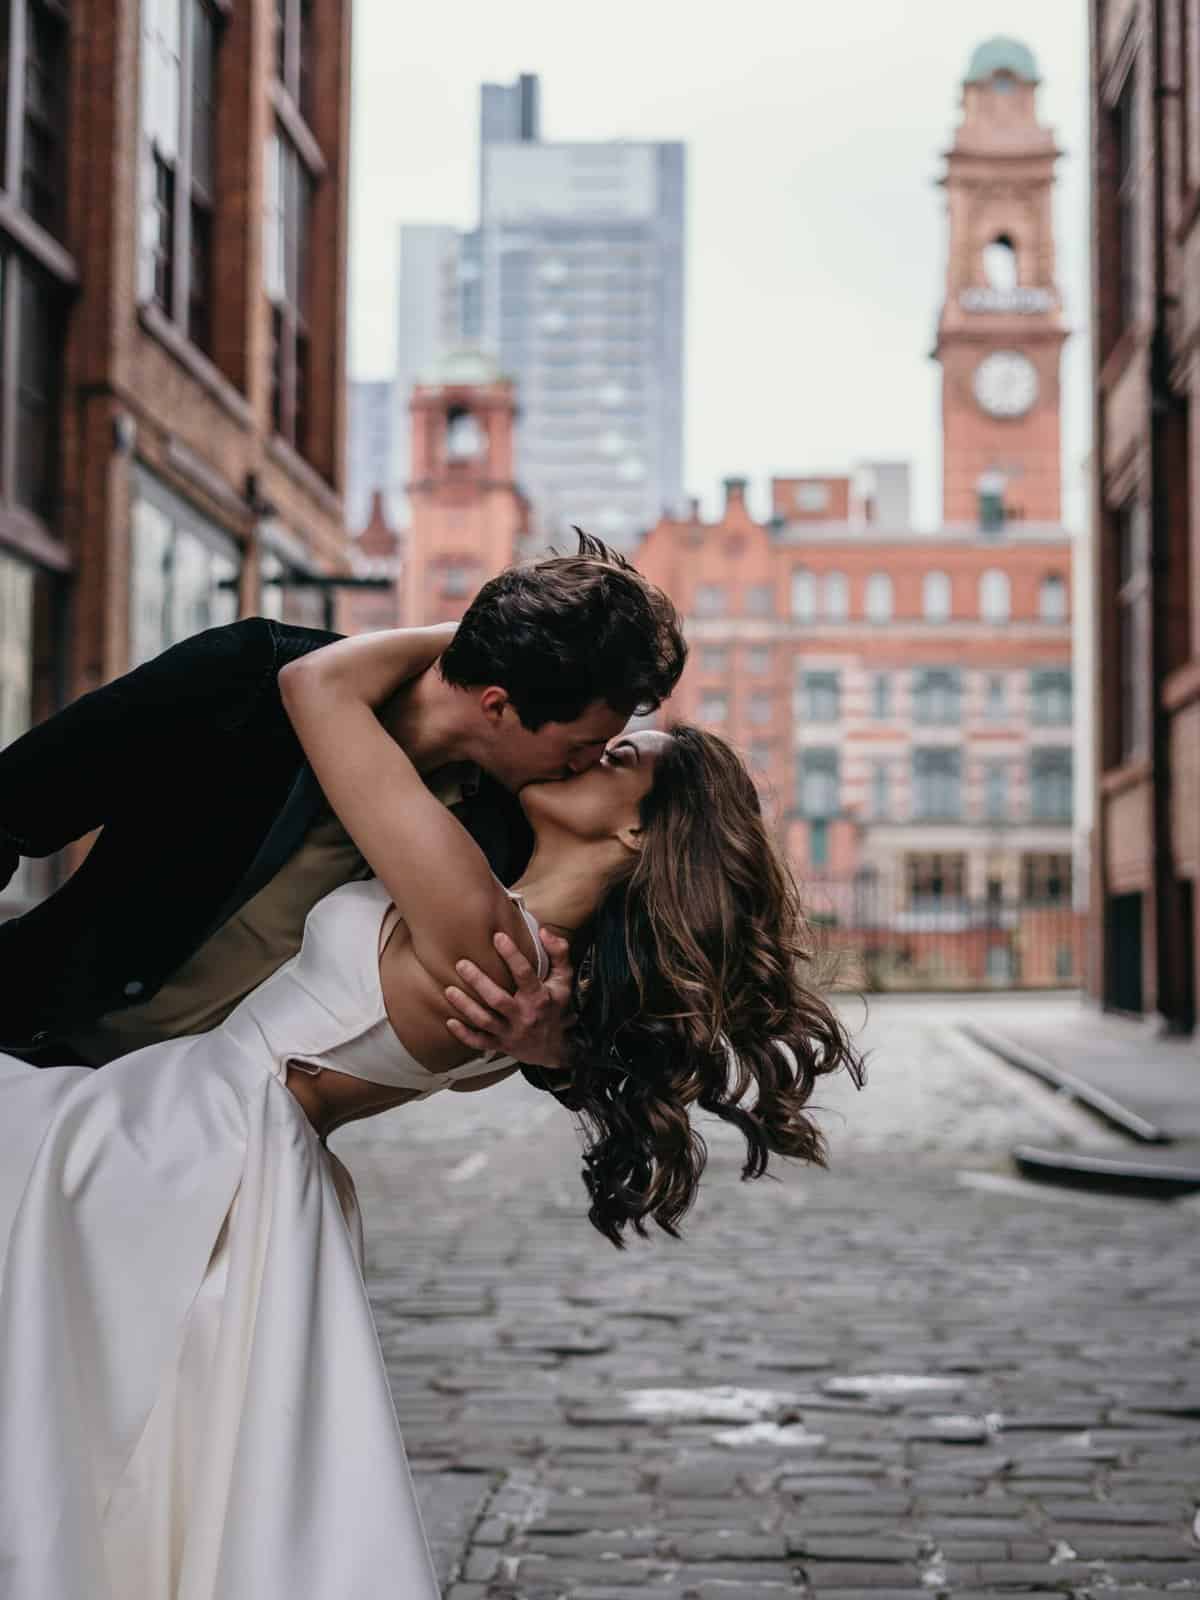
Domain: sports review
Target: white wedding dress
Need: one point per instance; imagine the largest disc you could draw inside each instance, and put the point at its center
(193, 1401)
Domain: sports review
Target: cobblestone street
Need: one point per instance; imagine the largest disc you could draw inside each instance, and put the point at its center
(913, 1374)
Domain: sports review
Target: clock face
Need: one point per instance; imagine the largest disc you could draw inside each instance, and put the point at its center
(1006, 383)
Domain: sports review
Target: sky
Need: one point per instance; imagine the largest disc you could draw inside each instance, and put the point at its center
(816, 235)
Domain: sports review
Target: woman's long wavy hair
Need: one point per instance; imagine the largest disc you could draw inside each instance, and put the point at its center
(691, 991)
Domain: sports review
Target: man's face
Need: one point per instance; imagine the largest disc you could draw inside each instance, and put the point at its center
(557, 750)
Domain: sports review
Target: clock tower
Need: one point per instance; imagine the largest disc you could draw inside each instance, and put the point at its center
(1000, 333)
(469, 519)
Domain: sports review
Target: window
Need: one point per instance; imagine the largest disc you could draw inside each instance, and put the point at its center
(179, 46)
(881, 696)
(1050, 784)
(760, 600)
(713, 707)
(937, 785)
(817, 782)
(286, 268)
(457, 579)
(42, 109)
(465, 439)
(935, 877)
(989, 501)
(1050, 697)
(995, 700)
(1046, 877)
(818, 842)
(293, 25)
(712, 659)
(16, 648)
(822, 694)
(1000, 263)
(1133, 632)
(937, 695)
(760, 757)
(837, 596)
(935, 597)
(760, 708)
(804, 595)
(879, 597)
(1123, 125)
(995, 596)
(1052, 599)
(880, 793)
(758, 660)
(182, 572)
(285, 595)
(995, 791)
(710, 600)
(36, 355)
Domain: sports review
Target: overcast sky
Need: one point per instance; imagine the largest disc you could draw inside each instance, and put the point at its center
(815, 235)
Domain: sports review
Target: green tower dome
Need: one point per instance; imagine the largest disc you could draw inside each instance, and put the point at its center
(1002, 55)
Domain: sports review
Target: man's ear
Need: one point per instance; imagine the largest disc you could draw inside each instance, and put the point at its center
(492, 703)
(631, 837)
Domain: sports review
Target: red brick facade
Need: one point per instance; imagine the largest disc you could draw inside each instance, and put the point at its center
(836, 657)
(1146, 503)
(179, 455)
(468, 516)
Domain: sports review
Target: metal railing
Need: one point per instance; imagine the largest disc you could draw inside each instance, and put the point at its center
(885, 936)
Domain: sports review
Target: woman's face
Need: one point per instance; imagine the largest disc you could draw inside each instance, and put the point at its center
(599, 803)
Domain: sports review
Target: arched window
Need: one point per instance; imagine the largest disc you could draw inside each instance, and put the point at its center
(995, 596)
(1052, 598)
(879, 597)
(935, 597)
(464, 436)
(804, 595)
(1000, 263)
(837, 597)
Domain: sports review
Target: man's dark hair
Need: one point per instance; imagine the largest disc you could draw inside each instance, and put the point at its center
(560, 633)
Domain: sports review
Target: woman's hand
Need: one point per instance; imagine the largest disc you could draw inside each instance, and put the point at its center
(529, 1025)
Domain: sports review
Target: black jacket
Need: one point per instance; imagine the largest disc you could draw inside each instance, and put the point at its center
(191, 769)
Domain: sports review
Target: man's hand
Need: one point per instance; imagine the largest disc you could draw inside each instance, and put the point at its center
(530, 1025)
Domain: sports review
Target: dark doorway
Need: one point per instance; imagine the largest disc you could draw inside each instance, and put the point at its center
(1124, 952)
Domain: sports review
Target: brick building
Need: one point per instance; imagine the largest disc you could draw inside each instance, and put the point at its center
(906, 696)
(1146, 484)
(468, 518)
(376, 553)
(173, 229)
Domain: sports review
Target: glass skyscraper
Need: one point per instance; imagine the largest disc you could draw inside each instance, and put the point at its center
(580, 263)
(573, 280)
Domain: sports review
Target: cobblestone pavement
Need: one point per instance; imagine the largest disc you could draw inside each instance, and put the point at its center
(911, 1375)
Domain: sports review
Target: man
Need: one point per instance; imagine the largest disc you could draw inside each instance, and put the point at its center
(215, 841)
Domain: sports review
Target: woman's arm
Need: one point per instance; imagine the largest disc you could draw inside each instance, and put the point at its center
(432, 868)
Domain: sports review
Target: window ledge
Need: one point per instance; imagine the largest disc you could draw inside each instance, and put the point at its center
(196, 364)
(1127, 776)
(1182, 687)
(306, 475)
(22, 532)
(49, 252)
(297, 130)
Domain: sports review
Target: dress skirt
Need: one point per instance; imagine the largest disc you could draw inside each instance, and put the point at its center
(193, 1400)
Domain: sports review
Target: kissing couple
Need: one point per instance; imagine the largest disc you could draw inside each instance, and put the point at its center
(332, 877)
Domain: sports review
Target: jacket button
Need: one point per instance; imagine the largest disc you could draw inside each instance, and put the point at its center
(134, 988)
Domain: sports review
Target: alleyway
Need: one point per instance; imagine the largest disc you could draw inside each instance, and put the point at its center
(912, 1374)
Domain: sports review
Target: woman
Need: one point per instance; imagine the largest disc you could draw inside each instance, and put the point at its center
(192, 1397)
